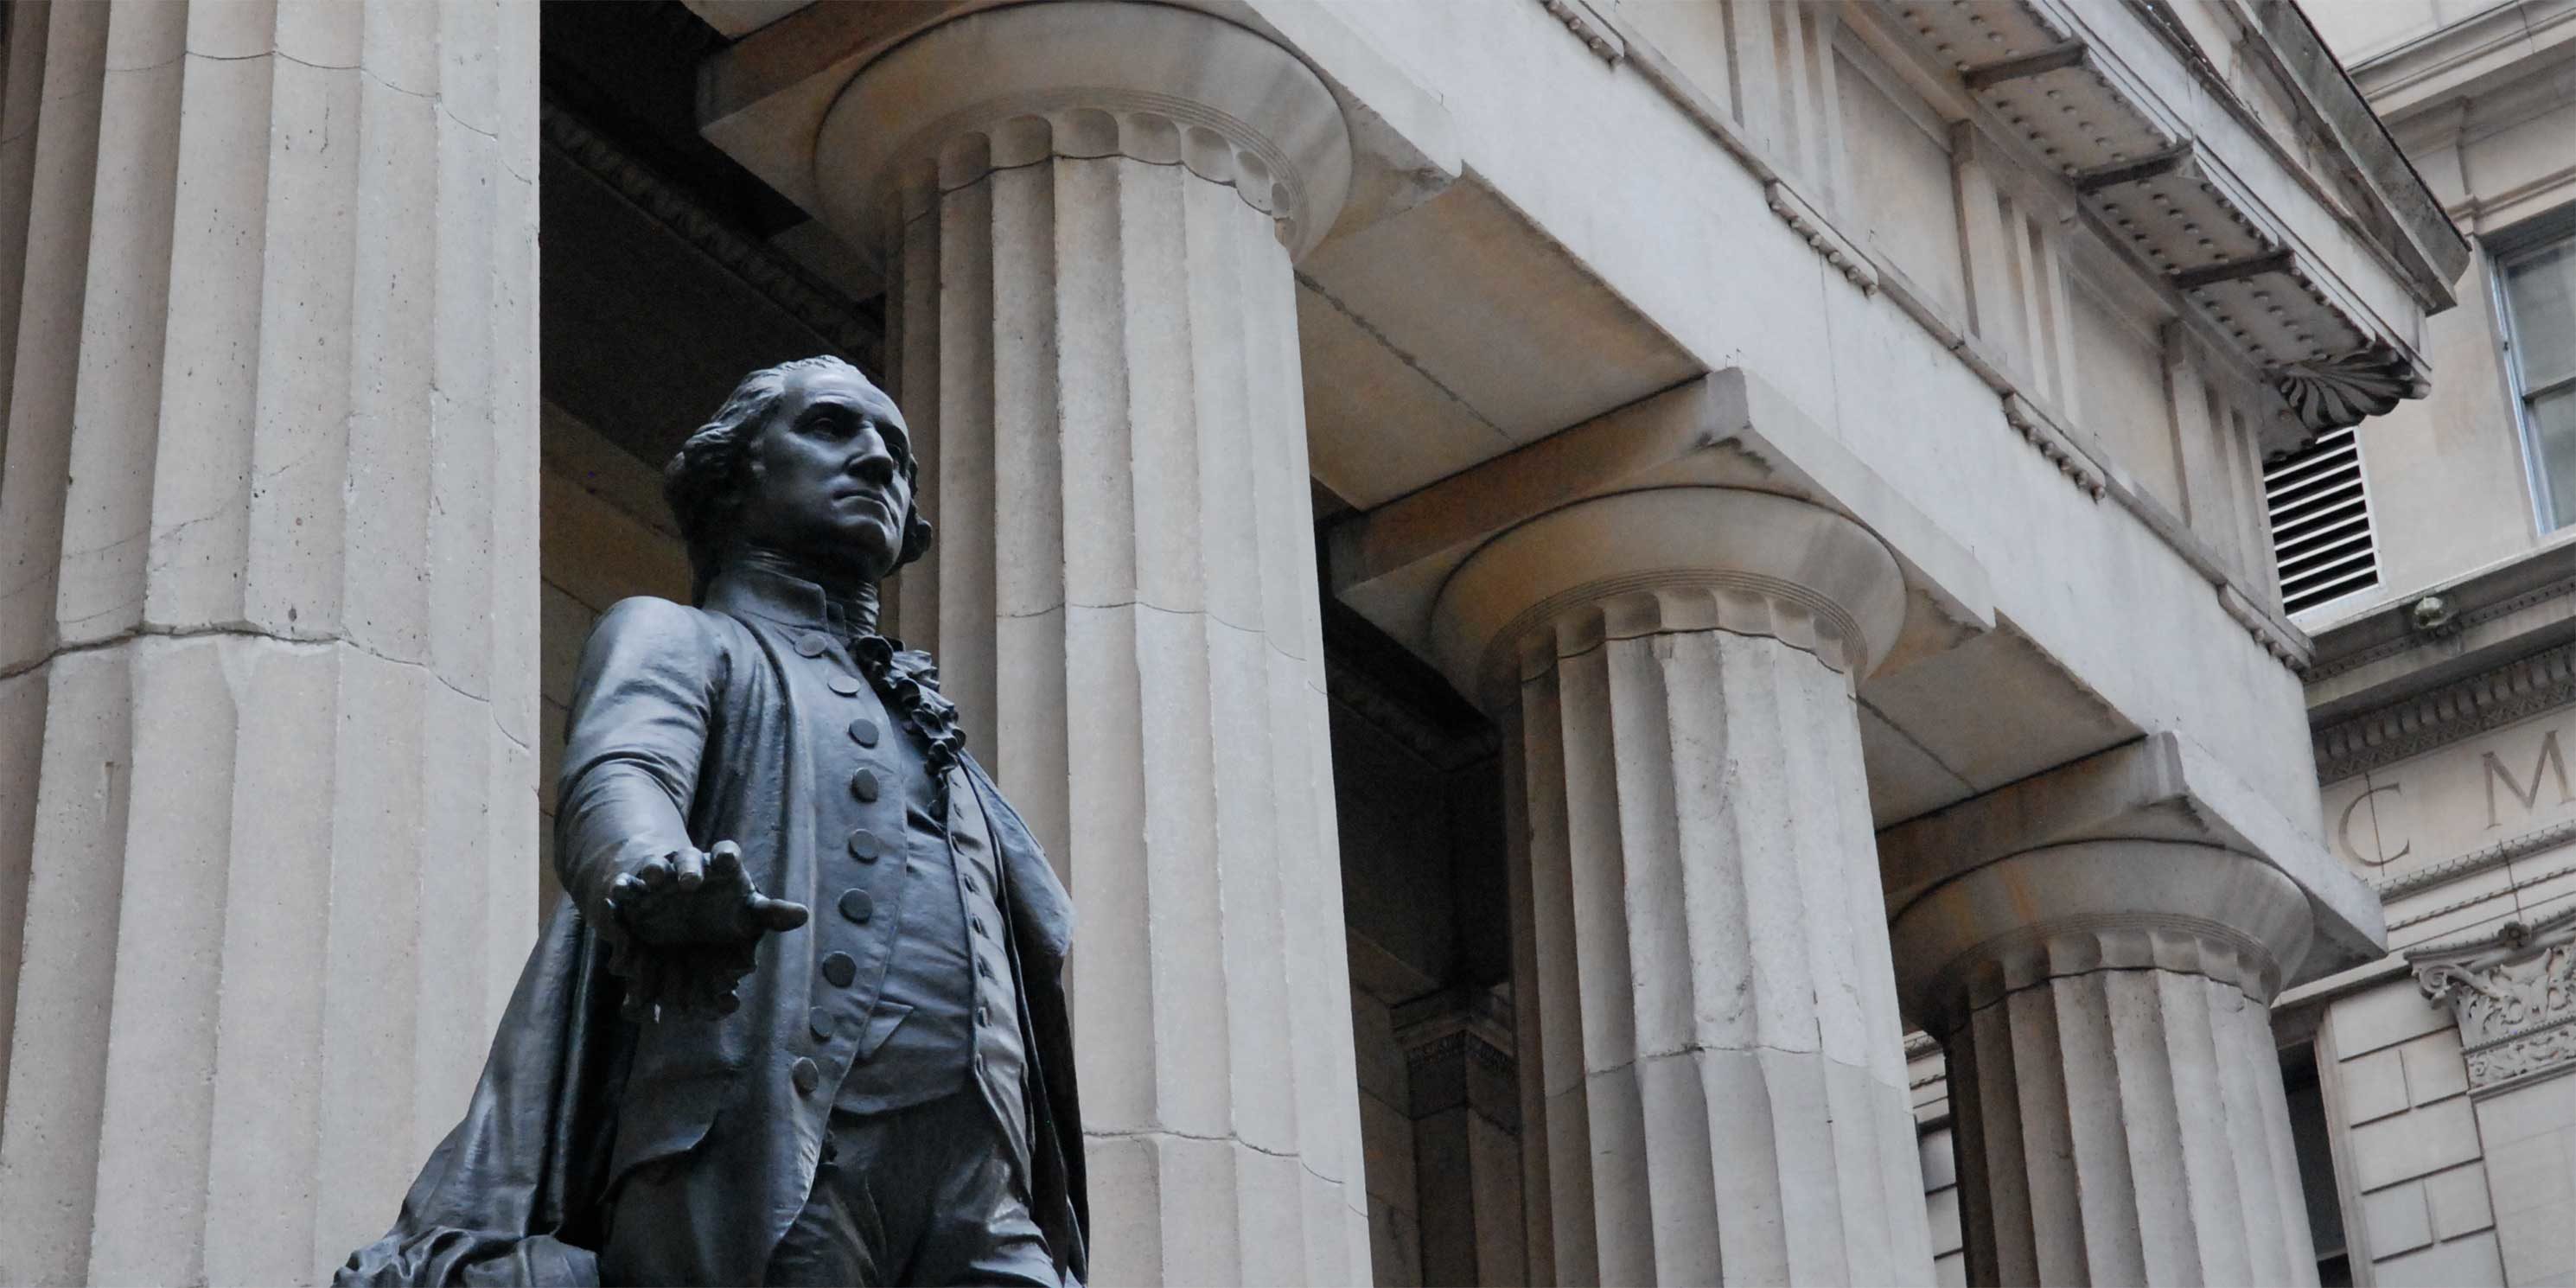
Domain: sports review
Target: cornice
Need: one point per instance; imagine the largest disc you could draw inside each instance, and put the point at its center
(751, 263)
(2508, 32)
(2526, 686)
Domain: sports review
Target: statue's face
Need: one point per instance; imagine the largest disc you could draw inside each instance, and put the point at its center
(829, 486)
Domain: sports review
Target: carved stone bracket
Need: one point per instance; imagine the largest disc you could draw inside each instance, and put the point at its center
(2514, 995)
(2332, 393)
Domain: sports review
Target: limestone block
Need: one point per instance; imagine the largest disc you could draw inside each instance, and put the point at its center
(1940, 1162)
(2457, 1200)
(2537, 1243)
(2384, 1016)
(2396, 1220)
(2435, 1069)
(2373, 1086)
(2536, 1109)
(2473, 1260)
(2531, 1173)
(2416, 1144)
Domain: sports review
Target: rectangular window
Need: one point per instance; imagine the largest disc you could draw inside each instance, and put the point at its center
(2536, 285)
(2320, 513)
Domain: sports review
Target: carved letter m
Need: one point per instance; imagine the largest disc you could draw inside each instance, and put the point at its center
(2550, 760)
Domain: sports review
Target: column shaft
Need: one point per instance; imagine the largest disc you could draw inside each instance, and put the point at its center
(267, 622)
(2119, 1105)
(2126, 1127)
(1098, 355)
(1725, 1082)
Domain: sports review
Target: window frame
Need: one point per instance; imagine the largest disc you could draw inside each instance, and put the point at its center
(2522, 242)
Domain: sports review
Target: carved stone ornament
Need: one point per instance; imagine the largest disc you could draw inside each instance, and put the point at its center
(2335, 392)
(2514, 995)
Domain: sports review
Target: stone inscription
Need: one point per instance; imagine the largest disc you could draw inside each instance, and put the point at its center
(2473, 794)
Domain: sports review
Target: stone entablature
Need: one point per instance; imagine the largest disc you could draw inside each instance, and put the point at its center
(2483, 781)
(2157, 182)
(2514, 995)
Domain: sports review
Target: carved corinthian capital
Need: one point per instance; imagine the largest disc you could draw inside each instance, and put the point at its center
(2514, 995)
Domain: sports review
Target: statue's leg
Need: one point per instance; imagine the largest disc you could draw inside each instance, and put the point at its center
(840, 1236)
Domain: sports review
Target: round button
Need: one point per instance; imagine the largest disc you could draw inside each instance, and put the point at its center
(822, 1023)
(806, 1074)
(863, 784)
(846, 685)
(840, 968)
(857, 906)
(812, 644)
(865, 731)
(864, 845)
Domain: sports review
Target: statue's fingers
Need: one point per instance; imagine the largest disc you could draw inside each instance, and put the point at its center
(626, 891)
(724, 863)
(777, 914)
(690, 869)
(655, 873)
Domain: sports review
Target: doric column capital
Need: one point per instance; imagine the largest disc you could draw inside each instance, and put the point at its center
(2088, 906)
(1000, 88)
(1668, 560)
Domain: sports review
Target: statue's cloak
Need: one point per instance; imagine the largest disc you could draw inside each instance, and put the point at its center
(575, 1097)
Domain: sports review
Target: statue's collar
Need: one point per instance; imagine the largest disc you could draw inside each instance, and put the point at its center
(758, 587)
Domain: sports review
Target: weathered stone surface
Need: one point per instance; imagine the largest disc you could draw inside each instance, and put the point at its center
(1725, 1090)
(2119, 1106)
(268, 568)
(1095, 342)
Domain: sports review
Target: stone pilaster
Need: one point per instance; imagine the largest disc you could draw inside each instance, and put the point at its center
(267, 620)
(1090, 210)
(1725, 1093)
(1465, 1088)
(2105, 1009)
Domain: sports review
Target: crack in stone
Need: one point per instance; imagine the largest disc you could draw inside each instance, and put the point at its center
(1410, 362)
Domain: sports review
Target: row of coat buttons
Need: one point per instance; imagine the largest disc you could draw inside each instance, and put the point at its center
(841, 969)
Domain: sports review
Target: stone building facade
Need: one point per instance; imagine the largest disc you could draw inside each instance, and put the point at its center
(1556, 575)
(2433, 549)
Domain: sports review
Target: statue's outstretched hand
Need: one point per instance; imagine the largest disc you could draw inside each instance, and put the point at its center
(682, 931)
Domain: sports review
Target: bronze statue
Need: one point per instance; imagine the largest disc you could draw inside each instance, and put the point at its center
(802, 1021)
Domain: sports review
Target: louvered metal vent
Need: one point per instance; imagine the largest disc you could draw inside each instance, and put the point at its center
(2321, 522)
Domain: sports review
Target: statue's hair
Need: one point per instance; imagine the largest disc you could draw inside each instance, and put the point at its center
(707, 480)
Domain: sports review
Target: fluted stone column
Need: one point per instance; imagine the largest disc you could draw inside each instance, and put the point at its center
(2105, 1010)
(1723, 1069)
(267, 620)
(1091, 210)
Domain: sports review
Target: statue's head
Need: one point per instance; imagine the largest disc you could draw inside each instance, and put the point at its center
(807, 458)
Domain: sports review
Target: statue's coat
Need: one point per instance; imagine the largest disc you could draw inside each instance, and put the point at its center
(691, 726)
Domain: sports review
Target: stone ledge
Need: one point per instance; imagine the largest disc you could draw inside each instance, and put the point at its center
(1726, 429)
